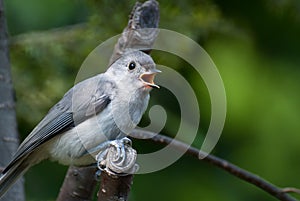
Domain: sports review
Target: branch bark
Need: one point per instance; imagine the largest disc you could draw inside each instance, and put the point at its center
(279, 193)
(114, 188)
(141, 31)
(79, 184)
(8, 133)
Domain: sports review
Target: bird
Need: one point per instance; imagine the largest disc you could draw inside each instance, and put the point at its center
(99, 109)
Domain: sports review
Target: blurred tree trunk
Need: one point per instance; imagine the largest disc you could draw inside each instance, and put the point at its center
(8, 125)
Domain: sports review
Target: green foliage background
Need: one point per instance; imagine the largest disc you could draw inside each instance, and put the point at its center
(255, 46)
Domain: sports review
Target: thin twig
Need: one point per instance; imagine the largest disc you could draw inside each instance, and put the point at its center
(275, 191)
(291, 190)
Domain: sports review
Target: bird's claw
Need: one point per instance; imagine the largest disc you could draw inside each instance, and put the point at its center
(119, 158)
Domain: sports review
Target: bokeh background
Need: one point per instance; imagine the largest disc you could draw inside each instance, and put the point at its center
(254, 44)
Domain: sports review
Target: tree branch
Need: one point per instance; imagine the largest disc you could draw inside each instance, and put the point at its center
(114, 188)
(76, 186)
(117, 164)
(245, 175)
(141, 31)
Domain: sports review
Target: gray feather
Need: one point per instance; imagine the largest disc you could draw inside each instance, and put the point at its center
(9, 178)
(61, 118)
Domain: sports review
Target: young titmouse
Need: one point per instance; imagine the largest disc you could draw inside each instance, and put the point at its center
(102, 108)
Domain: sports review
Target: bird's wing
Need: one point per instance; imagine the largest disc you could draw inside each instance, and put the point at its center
(84, 100)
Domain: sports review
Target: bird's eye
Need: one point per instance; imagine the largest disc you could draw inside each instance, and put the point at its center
(131, 65)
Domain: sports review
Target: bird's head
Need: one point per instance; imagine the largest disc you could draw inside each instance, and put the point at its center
(134, 69)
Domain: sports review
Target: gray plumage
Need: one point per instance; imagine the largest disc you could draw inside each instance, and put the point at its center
(105, 107)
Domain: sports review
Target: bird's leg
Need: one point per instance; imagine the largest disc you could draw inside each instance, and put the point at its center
(119, 158)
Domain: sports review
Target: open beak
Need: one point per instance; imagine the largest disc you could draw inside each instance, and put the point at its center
(148, 78)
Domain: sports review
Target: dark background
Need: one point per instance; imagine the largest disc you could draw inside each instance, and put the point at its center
(255, 45)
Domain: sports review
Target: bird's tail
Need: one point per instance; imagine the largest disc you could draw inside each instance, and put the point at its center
(9, 176)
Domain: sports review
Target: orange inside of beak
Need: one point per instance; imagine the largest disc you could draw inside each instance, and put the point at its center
(148, 79)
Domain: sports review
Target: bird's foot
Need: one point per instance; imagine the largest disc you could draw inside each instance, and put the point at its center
(118, 159)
